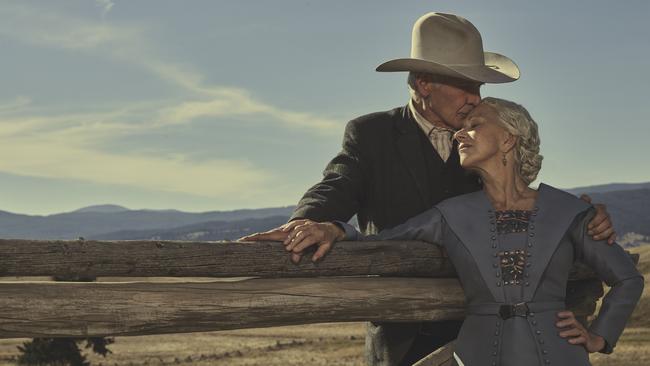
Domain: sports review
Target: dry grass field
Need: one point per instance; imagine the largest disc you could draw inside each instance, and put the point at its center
(317, 344)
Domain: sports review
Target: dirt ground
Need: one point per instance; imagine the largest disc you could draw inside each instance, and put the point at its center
(315, 344)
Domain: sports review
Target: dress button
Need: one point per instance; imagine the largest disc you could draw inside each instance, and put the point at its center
(532, 234)
(494, 245)
(496, 333)
(494, 237)
(492, 229)
(495, 343)
(544, 351)
(494, 363)
(541, 341)
(494, 353)
(534, 322)
(527, 283)
(498, 323)
(528, 264)
(498, 274)
(495, 265)
(498, 283)
(531, 314)
(530, 245)
(546, 361)
(538, 332)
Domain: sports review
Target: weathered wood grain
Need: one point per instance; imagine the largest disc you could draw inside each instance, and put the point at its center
(64, 309)
(54, 309)
(221, 259)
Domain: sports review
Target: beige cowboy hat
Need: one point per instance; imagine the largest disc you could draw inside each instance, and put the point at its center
(449, 45)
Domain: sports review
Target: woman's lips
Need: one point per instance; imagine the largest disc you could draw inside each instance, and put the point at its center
(463, 147)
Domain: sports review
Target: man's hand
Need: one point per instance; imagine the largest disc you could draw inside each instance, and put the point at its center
(600, 227)
(305, 233)
(299, 235)
(277, 234)
(577, 334)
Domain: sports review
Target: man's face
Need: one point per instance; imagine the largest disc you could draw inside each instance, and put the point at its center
(451, 100)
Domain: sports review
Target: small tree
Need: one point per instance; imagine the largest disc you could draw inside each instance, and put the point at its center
(62, 351)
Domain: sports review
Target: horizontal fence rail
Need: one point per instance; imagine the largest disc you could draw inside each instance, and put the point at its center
(139, 258)
(58, 309)
(357, 281)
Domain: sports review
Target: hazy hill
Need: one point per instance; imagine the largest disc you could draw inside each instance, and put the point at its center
(102, 208)
(205, 231)
(629, 209)
(603, 188)
(91, 223)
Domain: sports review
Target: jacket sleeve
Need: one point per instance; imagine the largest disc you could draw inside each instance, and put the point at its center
(426, 226)
(341, 192)
(614, 266)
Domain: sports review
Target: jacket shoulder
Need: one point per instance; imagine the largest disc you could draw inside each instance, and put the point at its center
(374, 120)
(563, 200)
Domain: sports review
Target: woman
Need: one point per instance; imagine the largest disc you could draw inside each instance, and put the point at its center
(514, 247)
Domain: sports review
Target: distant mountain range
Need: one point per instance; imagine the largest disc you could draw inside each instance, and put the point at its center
(629, 205)
(612, 187)
(103, 221)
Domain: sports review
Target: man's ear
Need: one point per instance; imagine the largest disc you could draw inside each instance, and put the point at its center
(424, 86)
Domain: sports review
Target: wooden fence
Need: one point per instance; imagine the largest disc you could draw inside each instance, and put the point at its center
(358, 281)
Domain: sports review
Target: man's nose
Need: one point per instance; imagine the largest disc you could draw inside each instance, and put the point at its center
(473, 98)
(460, 135)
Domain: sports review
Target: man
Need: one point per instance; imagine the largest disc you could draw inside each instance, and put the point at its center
(397, 164)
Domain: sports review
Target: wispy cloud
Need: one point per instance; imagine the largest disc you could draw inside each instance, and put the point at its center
(50, 157)
(64, 145)
(105, 6)
(14, 105)
(127, 43)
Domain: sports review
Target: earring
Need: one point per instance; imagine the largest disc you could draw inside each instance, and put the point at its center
(504, 161)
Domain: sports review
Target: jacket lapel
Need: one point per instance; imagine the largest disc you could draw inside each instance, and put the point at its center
(469, 216)
(408, 143)
(556, 211)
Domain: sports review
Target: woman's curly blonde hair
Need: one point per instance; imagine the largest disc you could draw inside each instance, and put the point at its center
(517, 121)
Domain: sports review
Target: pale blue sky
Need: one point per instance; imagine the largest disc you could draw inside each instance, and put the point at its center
(216, 105)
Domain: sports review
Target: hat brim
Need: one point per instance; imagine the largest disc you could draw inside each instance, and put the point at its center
(497, 69)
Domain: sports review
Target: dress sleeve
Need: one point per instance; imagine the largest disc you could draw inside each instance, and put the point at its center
(614, 266)
(426, 226)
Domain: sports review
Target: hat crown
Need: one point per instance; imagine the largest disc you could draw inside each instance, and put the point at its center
(446, 39)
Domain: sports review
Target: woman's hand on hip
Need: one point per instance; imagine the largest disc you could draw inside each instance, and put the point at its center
(575, 333)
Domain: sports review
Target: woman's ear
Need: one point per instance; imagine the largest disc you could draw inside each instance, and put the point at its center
(509, 142)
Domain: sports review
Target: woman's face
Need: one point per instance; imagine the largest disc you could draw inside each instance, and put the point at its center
(481, 138)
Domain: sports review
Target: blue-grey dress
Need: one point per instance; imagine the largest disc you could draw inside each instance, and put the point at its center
(501, 263)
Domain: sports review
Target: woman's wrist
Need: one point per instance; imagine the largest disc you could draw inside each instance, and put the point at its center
(598, 343)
